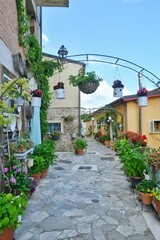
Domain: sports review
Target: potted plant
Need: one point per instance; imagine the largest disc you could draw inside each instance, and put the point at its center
(134, 166)
(59, 90)
(46, 150)
(36, 97)
(80, 145)
(16, 179)
(156, 199)
(118, 88)
(105, 139)
(11, 208)
(145, 188)
(142, 97)
(86, 82)
(37, 168)
(55, 135)
(69, 118)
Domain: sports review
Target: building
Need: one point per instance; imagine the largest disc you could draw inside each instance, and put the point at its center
(64, 113)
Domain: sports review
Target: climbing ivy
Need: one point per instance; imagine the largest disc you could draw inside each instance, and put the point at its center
(41, 70)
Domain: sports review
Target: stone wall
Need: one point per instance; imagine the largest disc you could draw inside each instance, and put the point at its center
(66, 142)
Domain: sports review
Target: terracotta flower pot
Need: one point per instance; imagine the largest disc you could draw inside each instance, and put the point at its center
(79, 151)
(44, 173)
(7, 234)
(157, 203)
(36, 177)
(107, 143)
(146, 198)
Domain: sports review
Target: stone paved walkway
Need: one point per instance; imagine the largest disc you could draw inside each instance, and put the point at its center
(84, 204)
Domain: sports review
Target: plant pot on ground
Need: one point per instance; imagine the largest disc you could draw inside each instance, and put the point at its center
(11, 208)
(145, 188)
(80, 145)
(156, 199)
(37, 168)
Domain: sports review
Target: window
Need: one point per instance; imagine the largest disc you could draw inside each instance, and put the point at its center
(55, 127)
(154, 126)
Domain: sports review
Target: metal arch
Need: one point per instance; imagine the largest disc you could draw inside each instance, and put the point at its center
(117, 59)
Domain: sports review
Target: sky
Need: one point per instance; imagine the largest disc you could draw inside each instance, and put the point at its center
(127, 29)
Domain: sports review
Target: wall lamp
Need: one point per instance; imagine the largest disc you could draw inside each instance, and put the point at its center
(62, 52)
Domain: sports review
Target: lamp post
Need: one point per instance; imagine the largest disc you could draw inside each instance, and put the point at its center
(92, 125)
(62, 52)
(110, 120)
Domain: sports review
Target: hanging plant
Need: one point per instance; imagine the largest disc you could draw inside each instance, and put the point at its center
(86, 82)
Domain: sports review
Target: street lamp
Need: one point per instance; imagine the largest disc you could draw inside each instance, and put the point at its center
(110, 120)
(62, 52)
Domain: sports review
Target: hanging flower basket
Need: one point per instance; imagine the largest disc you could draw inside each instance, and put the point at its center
(142, 97)
(117, 88)
(59, 90)
(86, 82)
(88, 87)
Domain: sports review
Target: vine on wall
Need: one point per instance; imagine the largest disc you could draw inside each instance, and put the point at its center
(41, 70)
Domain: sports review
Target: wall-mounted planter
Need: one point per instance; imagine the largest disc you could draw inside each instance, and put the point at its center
(55, 137)
(143, 101)
(36, 102)
(118, 92)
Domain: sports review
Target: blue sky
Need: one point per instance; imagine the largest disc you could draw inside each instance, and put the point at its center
(129, 29)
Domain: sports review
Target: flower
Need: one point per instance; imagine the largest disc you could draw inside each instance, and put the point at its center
(135, 139)
(117, 84)
(13, 180)
(142, 92)
(36, 93)
(5, 170)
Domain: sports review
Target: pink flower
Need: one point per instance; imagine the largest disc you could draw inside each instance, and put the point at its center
(18, 170)
(13, 180)
(5, 170)
(14, 167)
(5, 182)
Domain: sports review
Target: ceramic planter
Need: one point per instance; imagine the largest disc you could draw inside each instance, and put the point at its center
(55, 137)
(143, 101)
(30, 162)
(36, 102)
(60, 93)
(118, 92)
(19, 101)
(135, 181)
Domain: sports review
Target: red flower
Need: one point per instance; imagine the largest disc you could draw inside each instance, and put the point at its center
(36, 93)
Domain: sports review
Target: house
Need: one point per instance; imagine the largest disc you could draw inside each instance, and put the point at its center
(142, 120)
(64, 112)
(15, 27)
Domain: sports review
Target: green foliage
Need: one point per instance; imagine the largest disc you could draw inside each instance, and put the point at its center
(16, 178)
(123, 147)
(156, 193)
(41, 70)
(145, 186)
(80, 143)
(11, 207)
(23, 22)
(134, 164)
(69, 118)
(47, 151)
(86, 117)
(12, 90)
(38, 165)
(84, 78)
(105, 137)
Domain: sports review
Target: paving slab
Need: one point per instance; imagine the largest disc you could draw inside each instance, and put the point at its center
(90, 203)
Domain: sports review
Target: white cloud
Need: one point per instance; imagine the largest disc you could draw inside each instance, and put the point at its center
(102, 96)
(45, 38)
